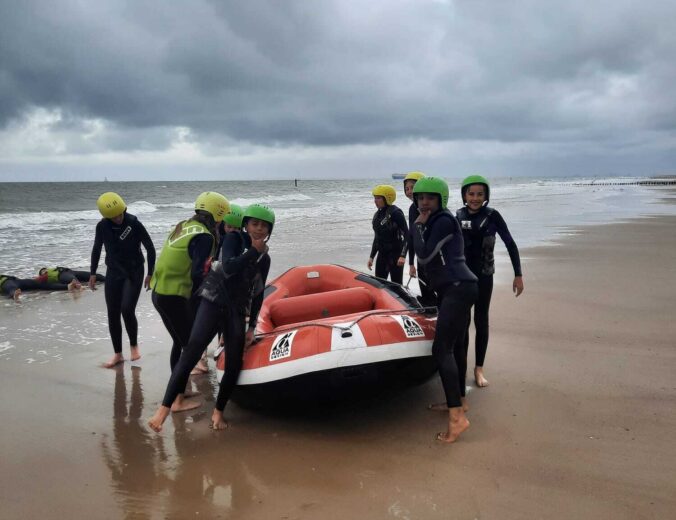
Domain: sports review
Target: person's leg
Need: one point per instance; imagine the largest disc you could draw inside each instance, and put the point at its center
(11, 289)
(481, 310)
(234, 351)
(203, 331)
(442, 350)
(83, 276)
(177, 319)
(396, 271)
(113, 296)
(450, 327)
(67, 276)
(381, 265)
(130, 294)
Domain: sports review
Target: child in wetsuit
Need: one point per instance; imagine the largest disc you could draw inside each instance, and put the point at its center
(390, 243)
(232, 284)
(122, 234)
(180, 271)
(439, 246)
(12, 286)
(480, 224)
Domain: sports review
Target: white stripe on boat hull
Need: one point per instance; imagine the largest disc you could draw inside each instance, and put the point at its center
(334, 359)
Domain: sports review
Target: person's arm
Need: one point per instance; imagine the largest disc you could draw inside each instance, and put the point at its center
(96, 250)
(96, 256)
(149, 247)
(257, 301)
(400, 220)
(505, 235)
(233, 261)
(199, 251)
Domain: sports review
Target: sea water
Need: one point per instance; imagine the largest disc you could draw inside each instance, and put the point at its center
(53, 224)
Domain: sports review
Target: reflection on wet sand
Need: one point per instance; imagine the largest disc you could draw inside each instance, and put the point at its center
(267, 464)
(137, 458)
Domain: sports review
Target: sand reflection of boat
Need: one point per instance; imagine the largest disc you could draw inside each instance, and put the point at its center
(329, 333)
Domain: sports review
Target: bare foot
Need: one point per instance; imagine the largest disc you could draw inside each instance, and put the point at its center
(481, 381)
(114, 361)
(17, 295)
(157, 420)
(457, 423)
(464, 404)
(74, 285)
(217, 421)
(135, 353)
(183, 405)
(200, 368)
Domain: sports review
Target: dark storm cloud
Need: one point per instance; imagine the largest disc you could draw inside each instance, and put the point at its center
(305, 72)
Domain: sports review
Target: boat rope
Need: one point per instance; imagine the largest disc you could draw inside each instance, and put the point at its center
(344, 328)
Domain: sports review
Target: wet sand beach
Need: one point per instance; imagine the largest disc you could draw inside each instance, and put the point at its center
(578, 420)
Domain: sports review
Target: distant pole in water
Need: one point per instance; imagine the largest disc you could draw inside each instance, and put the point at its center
(295, 182)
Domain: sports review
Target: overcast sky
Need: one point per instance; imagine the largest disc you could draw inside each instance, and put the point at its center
(198, 89)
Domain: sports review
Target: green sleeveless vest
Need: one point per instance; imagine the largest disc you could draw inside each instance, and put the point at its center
(172, 270)
(53, 274)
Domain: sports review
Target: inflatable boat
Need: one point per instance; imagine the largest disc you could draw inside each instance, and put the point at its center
(327, 333)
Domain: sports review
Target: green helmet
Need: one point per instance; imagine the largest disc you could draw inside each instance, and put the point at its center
(261, 212)
(432, 185)
(475, 179)
(234, 218)
(213, 203)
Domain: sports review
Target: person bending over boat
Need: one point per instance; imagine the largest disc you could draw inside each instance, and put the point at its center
(479, 225)
(122, 235)
(391, 234)
(66, 275)
(439, 246)
(231, 222)
(232, 284)
(180, 271)
(427, 296)
(12, 286)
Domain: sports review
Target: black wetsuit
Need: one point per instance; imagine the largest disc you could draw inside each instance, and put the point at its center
(124, 277)
(232, 284)
(390, 242)
(67, 275)
(479, 230)
(439, 247)
(427, 296)
(11, 283)
(178, 313)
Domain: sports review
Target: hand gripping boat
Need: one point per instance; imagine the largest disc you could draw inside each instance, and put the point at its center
(327, 333)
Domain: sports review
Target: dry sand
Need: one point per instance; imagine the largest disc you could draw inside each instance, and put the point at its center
(578, 421)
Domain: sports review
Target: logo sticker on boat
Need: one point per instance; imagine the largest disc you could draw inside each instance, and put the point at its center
(411, 327)
(281, 348)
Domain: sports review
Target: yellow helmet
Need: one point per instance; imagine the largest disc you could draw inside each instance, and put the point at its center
(111, 205)
(387, 192)
(413, 176)
(214, 203)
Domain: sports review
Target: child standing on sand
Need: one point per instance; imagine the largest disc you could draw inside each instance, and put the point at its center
(479, 225)
(439, 246)
(122, 234)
